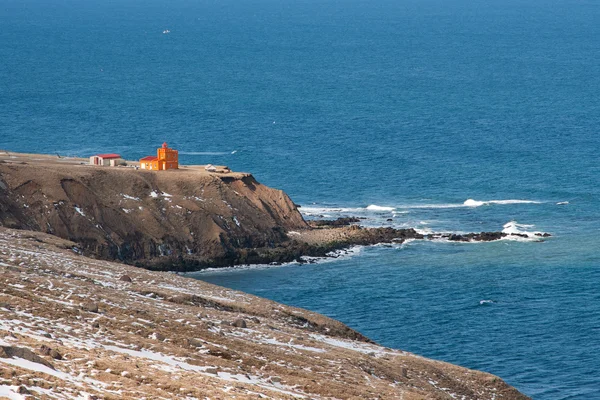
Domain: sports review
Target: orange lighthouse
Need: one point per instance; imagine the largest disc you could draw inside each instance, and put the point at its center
(166, 158)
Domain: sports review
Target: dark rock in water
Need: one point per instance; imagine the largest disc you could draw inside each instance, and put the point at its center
(543, 234)
(239, 323)
(125, 278)
(489, 236)
(458, 238)
(476, 237)
(389, 220)
(523, 235)
(342, 221)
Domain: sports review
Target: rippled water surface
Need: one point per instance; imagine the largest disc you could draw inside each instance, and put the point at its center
(441, 115)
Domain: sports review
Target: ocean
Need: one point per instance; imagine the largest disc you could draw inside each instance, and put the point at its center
(446, 116)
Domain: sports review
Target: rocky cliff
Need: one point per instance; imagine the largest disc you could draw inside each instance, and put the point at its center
(183, 219)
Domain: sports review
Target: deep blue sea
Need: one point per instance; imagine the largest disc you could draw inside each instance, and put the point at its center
(401, 109)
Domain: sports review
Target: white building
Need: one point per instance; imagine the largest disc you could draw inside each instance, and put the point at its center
(111, 160)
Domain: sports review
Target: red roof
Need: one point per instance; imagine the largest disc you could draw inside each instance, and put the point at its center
(112, 155)
(149, 158)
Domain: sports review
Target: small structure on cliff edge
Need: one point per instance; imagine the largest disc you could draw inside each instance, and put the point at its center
(107, 160)
(166, 158)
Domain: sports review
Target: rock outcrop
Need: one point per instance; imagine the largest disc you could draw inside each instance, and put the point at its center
(180, 219)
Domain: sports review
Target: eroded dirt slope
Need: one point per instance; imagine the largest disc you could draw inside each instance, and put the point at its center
(72, 327)
(179, 219)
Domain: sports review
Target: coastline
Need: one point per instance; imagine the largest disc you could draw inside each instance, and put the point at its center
(186, 220)
(180, 220)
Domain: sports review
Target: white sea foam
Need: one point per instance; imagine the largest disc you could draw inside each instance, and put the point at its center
(374, 207)
(513, 228)
(332, 256)
(307, 210)
(469, 203)
(475, 203)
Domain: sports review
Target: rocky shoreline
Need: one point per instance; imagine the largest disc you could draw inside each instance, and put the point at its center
(74, 324)
(330, 236)
(179, 220)
(324, 242)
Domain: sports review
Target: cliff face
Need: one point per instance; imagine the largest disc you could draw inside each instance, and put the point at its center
(183, 219)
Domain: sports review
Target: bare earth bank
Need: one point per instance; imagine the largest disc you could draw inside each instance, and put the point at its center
(73, 327)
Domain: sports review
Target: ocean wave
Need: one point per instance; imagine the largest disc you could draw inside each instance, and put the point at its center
(310, 211)
(403, 208)
(469, 203)
(516, 230)
(375, 207)
(476, 203)
(331, 257)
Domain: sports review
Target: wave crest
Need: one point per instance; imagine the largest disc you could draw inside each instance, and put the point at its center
(476, 203)
(516, 231)
(375, 207)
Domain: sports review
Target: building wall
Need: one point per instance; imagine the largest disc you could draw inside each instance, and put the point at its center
(168, 159)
